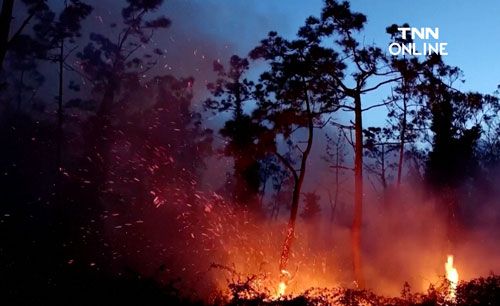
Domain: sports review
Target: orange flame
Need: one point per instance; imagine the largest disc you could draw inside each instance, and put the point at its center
(452, 277)
(282, 285)
(281, 289)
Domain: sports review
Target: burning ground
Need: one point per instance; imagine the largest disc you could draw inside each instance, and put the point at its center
(310, 169)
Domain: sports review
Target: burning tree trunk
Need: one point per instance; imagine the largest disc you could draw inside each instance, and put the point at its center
(358, 191)
(290, 99)
(299, 179)
(355, 95)
(369, 64)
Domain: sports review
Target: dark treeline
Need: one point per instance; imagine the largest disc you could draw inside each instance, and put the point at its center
(90, 126)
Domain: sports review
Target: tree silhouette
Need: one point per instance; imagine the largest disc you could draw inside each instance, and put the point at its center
(52, 34)
(109, 174)
(453, 117)
(402, 112)
(112, 65)
(22, 50)
(293, 96)
(370, 71)
(449, 112)
(37, 9)
(162, 140)
(231, 91)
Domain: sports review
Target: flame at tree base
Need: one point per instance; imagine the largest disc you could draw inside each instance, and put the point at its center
(285, 275)
(281, 289)
(452, 277)
(285, 289)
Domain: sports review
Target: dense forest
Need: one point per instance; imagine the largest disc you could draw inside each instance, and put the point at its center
(124, 182)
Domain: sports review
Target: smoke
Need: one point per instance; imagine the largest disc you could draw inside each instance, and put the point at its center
(204, 241)
(207, 242)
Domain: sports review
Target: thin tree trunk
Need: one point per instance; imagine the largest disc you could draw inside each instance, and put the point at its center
(382, 174)
(60, 106)
(5, 23)
(358, 192)
(402, 140)
(296, 190)
(337, 179)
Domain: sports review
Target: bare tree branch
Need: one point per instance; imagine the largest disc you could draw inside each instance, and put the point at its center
(379, 84)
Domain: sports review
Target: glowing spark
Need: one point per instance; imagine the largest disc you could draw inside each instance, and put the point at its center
(452, 277)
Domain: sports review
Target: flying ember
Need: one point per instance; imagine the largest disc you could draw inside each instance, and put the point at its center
(223, 153)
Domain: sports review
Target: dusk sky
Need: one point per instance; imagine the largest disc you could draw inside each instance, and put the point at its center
(211, 29)
(471, 30)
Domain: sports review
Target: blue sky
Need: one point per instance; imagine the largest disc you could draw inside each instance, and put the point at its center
(205, 30)
(216, 29)
(223, 27)
(471, 28)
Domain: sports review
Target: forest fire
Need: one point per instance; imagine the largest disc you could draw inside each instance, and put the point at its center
(255, 289)
(281, 289)
(452, 277)
(284, 278)
(150, 159)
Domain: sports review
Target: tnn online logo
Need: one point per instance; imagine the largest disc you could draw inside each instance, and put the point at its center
(428, 38)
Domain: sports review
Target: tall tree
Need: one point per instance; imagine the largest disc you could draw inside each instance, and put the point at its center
(21, 51)
(293, 96)
(35, 8)
(455, 120)
(403, 111)
(5, 24)
(369, 71)
(230, 92)
(112, 64)
(52, 34)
